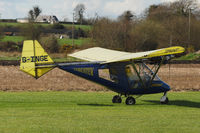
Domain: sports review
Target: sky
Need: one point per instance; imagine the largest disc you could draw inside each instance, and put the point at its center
(12, 9)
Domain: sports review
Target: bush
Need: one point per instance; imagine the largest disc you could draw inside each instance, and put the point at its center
(31, 31)
(1, 32)
(107, 33)
(66, 48)
(148, 35)
(50, 44)
(58, 26)
(10, 46)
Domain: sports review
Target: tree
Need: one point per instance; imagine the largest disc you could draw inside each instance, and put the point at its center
(180, 28)
(37, 11)
(126, 16)
(79, 11)
(183, 7)
(34, 13)
(31, 15)
(159, 12)
(31, 31)
(166, 24)
(112, 34)
(126, 22)
(1, 33)
(148, 35)
(50, 44)
(164, 11)
(105, 33)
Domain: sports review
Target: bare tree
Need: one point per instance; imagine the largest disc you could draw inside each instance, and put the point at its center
(126, 23)
(31, 15)
(37, 11)
(34, 13)
(31, 31)
(79, 12)
(183, 7)
(1, 33)
(127, 16)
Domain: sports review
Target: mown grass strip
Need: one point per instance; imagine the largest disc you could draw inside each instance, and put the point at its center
(12, 39)
(91, 112)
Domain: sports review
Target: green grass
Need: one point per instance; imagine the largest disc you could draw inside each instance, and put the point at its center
(84, 27)
(13, 38)
(10, 24)
(93, 112)
(66, 59)
(78, 42)
(68, 41)
(190, 56)
(10, 58)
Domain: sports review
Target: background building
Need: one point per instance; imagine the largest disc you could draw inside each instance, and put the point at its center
(47, 18)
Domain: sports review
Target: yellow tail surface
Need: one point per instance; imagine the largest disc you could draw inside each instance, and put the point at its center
(33, 57)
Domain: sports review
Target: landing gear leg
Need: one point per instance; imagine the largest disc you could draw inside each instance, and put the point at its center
(164, 99)
(117, 99)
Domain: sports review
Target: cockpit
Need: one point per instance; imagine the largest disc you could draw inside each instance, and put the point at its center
(139, 74)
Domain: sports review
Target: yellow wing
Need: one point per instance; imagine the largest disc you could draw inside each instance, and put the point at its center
(108, 56)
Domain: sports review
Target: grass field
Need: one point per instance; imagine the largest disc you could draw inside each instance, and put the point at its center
(14, 56)
(10, 24)
(13, 38)
(84, 27)
(78, 42)
(68, 41)
(10, 55)
(190, 56)
(93, 112)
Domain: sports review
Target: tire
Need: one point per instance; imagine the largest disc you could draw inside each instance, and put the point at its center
(117, 99)
(166, 101)
(130, 101)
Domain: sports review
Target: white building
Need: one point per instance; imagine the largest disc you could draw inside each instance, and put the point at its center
(47, 18)
(22, 20)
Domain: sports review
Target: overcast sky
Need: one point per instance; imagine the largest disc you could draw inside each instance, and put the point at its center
(64, 8)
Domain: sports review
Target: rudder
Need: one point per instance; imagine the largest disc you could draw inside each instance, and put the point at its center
(33, 57)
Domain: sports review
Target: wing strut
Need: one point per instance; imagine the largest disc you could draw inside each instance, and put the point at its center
(134, 67)
(156, 71)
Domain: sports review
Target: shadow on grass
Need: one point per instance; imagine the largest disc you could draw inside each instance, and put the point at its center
(93, 104)
(178, 103)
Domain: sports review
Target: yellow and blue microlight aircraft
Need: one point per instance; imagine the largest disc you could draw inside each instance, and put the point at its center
(127, 73)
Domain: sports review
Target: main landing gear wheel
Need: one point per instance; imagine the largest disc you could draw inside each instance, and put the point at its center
(164, 99)
(130, 101)
(117, 99)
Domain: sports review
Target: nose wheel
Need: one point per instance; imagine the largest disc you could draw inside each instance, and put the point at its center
(164, 99)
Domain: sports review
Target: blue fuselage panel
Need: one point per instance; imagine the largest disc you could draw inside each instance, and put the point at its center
(91, 72)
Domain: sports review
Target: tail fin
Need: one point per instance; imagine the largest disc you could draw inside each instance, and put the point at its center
(33, 57)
